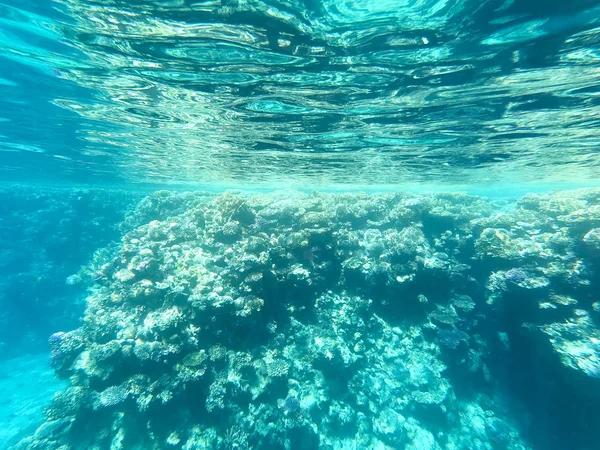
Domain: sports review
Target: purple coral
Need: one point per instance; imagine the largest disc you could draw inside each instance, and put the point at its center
(516, 275)
(55, 338)
(64, 347)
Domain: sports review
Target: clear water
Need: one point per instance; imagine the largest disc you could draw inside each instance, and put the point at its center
(166, 313)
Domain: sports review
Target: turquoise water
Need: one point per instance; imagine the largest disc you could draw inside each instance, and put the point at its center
(435, 93)
(299, 225)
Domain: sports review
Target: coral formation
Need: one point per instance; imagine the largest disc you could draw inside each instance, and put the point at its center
(333, 321)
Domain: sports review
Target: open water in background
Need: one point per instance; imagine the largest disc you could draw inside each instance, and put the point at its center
(125, 97)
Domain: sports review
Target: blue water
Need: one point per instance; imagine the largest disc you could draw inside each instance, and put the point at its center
(334, 224)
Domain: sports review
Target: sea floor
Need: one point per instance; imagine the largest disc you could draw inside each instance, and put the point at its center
(27, 384)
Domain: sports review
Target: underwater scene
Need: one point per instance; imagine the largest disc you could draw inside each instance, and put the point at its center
(299, 224)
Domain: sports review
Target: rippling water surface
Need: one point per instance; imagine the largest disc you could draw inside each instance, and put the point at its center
(325, 92)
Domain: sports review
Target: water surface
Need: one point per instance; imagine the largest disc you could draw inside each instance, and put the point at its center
(420, 93)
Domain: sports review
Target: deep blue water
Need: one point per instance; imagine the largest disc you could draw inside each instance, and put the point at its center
(428, 279)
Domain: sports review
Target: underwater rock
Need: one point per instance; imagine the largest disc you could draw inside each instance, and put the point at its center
(576, 348)
(498, 243)
(452, 339)
(111, 396)
(291, 405)
(64, 348)
(524, 279)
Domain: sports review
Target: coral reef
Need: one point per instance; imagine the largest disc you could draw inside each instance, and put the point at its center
(332, 321)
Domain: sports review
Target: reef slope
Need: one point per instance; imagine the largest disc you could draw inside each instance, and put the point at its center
(334, 321)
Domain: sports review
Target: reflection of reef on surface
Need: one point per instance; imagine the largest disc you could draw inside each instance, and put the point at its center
(293, 321)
